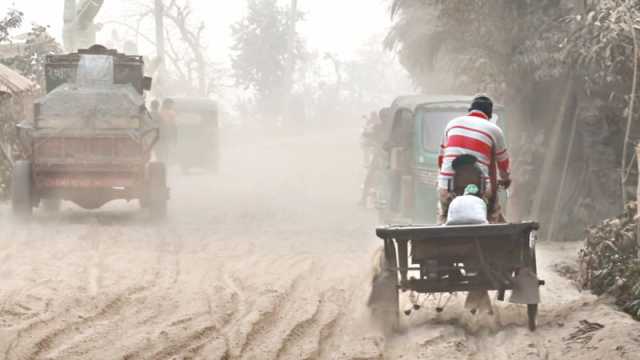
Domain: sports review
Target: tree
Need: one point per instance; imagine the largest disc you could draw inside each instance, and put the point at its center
(191, 35)
(190, 70)
(79, 31)
(12, 20)
(32, 55)
(260, 50)
(552, 62)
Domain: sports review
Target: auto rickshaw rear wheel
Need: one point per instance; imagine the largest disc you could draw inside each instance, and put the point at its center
(157, 199)
(21, 189)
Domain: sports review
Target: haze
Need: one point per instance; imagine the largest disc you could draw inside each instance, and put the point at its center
(334, 26)
(278, 195)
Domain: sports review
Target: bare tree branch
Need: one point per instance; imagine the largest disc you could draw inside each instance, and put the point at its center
(173, 56)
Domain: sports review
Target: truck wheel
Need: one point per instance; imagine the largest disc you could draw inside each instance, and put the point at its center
(21, 190)
(532, 313)
(51, 205)
(384, 297)
(158, 192)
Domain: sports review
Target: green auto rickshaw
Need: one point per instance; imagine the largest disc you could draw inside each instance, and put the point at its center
(414, 133)
(198, 139)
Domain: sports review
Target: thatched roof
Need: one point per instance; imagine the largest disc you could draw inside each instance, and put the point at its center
(13, 83)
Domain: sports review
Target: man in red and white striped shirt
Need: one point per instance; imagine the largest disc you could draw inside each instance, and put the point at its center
(474, 134)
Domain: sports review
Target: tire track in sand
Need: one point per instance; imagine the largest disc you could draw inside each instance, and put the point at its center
(149, 310)
(306, 339)
(248, 329)
(75, 338)
(296, 326)
(186, 336)
(210, 338)
(39, 339)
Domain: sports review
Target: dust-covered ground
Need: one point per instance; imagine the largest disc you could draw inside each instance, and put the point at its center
(270, 259)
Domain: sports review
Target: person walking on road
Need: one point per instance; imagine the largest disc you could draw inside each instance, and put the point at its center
(168, 131)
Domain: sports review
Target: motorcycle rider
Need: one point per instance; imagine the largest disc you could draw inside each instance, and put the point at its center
(475, 135)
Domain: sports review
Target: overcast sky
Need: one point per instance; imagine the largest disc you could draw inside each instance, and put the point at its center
(338, 26)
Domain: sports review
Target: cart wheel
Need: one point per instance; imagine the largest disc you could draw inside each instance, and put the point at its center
(157, 190)
(21, 190)
(532, 313)
(532, 309)
(384, 297)
(51, 205)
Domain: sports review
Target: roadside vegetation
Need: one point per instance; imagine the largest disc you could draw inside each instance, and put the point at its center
(567, 70)
(27, 58)
(609, 263)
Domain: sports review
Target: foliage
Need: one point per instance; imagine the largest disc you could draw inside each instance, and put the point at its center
(12, 20)
(30, 60)
(609, 263)
(260, 58)
(478, 40)
(192, 57)
(523, 53)
(186, 68)
(343, 87)
(543, 38)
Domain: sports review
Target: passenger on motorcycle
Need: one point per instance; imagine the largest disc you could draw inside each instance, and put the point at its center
(474, 136)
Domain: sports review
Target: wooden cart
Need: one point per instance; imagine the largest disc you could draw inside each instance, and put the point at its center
(450, 259)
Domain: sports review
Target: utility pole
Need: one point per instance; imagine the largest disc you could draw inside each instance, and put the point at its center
(159, 18)
(79, 29)
(291, 61)
(68, 34)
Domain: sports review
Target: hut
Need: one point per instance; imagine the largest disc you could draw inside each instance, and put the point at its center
(16, 96)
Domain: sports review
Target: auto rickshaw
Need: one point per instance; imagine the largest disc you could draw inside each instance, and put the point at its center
(433, 261)
(198, 134)
(413, 145)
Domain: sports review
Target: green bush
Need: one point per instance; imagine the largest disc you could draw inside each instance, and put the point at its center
(609, 262)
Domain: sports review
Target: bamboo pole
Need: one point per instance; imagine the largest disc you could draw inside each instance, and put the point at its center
(158, 13)
(623, 166)
(638, 201)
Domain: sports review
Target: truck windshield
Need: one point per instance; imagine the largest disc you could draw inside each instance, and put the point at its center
(433, 125)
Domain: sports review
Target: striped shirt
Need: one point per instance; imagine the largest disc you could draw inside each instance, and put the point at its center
(472, 134)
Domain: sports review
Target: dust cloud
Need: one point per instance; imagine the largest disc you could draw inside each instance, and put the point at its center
(268, 259)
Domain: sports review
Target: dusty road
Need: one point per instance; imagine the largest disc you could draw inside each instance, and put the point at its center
(270, 259)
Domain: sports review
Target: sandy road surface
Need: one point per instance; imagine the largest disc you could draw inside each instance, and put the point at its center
(268, 260)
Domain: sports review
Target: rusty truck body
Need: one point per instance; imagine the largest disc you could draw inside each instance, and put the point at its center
(91, 138)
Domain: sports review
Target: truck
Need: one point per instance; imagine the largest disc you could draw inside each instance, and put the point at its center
(91, 139)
